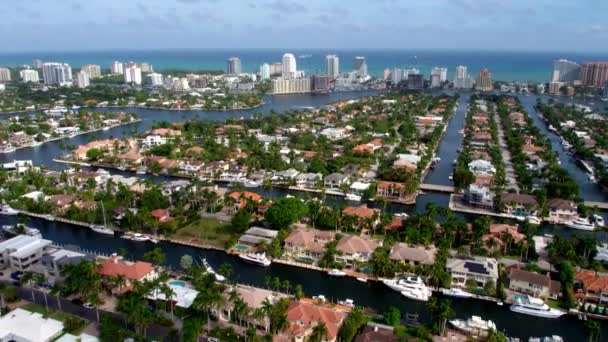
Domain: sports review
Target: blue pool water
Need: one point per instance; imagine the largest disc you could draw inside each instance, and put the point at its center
(178, 283)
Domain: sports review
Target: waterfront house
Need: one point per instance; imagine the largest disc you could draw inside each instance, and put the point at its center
(132, 158)
(192, 166)
(256, 235)
(363, 215)
(22, 325)
(131, 271)
(561, 210)
(254, 298)
(22, 252)
(356, 248)
(393, 191)
(478, 269)
(481, 167)
(517, 118)
(62, 202)
(404, 164)
(287, 176)
(153, 140)
(303, 317)
(413, 255)
(533, 284)
(214, 169)
(335, 181)
(308, 180)
(233, 174)
(375, 332)
(241, 198)
(20, 139)
(481, 138)
(591, 287)
(161, 215)
(480, 196)
(165, 132)
(518, 204)
(498, 234)
(307, 244)
(55, 259)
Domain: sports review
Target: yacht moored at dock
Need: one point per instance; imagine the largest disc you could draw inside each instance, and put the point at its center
(410, 287)
(456, 293)
(535, 307)
(8, 210)
(256, 258)
(474, 326)
(580, 224)
(336, 273)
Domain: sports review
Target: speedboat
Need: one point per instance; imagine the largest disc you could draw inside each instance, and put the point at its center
(21, 229)
(363, 280)
(347, 302)
(475, 326)
(140, 237)
(336, 272)
(535, 307)
(250, 184)
(401, 215)
(8, 210)
(256, 258)
(554, 338)
(456, 292)
(210, 270)
(410, 286)
(320, 298)
(49, 217)
(533, 219)
(580, 224)
(106, 128)
(140, 171)
(599, 221)
(101, 229)
(353, 197)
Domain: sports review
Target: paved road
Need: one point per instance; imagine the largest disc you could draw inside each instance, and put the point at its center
(154, 331)
(511, 179)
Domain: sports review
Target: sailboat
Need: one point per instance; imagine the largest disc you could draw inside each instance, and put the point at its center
(102, 229)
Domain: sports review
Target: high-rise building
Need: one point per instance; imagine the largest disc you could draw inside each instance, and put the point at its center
(484, 81)
(387, 74)
(565, 71)
(132, 73)
(180, 84)
(56, 73)
(291, 85)
(333, 65)
(289, 66)
(397, 75)
(37, 64)
(594, 74)
(82, 79)
(92, 70)
(462, 80)
(29, 75)
(233, 66)
(415, 81)
(5, 75)
(154, 79)
(146, 67)
(555, 88)
(276, 69)
(265, 71)
(441, 72)
(319, 83)
(360, 66)
(117, 68)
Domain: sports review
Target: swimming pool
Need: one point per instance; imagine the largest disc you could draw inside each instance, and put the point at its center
(241, 248)
(177, 283)
(518, 296)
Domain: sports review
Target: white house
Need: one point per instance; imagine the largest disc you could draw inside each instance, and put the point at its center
(22, 251)
(24, 326)
(481, 167)
(308, 180)
(335, 180)
(479, 269)
(154, 140)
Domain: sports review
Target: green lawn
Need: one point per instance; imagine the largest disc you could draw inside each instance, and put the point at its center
(206, 231)
(31, 307)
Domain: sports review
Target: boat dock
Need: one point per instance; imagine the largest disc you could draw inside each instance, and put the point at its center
(437, 188)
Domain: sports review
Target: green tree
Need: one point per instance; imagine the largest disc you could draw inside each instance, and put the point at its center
(392, 316)
(155, 256)
(352, 324)
(319, 333)
(566, 277)
(592, 330)
(440, 310)
(185, 262)
(285, 211)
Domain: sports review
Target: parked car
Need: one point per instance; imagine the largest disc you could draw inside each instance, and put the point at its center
(17, 275)
(88, 306)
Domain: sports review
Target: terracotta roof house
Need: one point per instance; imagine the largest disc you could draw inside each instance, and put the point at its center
(362, 215)
(561, 210)
(162, 215)
(165, 131)
(413, 255)
(533, 284)
(306, 244)
(131, 271)
(592, 287)
(131, 157)
(303, 317)
(374, 332)
(242, 197)
(497, 234)
(356, 248)
(62, 201)
(393, 191)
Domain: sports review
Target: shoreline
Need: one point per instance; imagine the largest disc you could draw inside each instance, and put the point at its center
(75, 135)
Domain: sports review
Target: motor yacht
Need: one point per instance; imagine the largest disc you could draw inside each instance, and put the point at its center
(334, 272)
(21, 229)
(8, 210)
(256, 258)
(535, 307)
(101, 229)
(140, 237)
(210, 270)
(599, 221)
(475, 326)
(554, 338)
(533, 219)
(363, 280)
(353, 197)
(581, 224)
(347, 302)
(320, 298)
(456, 292)
(401, 215)
(411, 287)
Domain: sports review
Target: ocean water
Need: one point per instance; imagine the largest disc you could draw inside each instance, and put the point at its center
(506, 66)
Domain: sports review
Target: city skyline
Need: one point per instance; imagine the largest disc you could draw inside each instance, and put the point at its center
(500, 25)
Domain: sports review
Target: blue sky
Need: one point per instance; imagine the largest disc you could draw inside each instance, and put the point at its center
(64, 25)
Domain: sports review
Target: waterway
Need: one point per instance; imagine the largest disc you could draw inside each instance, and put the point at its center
(373, 295)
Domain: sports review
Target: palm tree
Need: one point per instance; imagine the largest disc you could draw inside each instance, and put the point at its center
(319, 333)
(28, 277)
(592, 330)
(41, 279)
(441, 311)
(56, 291)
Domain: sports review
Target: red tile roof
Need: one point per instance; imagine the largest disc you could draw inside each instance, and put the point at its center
(113, 266)
(303, 317)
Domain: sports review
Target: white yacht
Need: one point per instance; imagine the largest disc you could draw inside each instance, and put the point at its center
(580, 224)
(401, 215)
(411, 287)
(210, 270)
(535, 307)
(137, 237)
(101, 229)
(256, 258)
(140, 171)
(456, 292)
(533, 220)
(336, 272)
(16, 230)
(599, 221)
(8, 210)
(320, 298)
(554, 338)
(475, 326)
(347, 302)
(353, 197)
(363, 280)
(49, 217)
